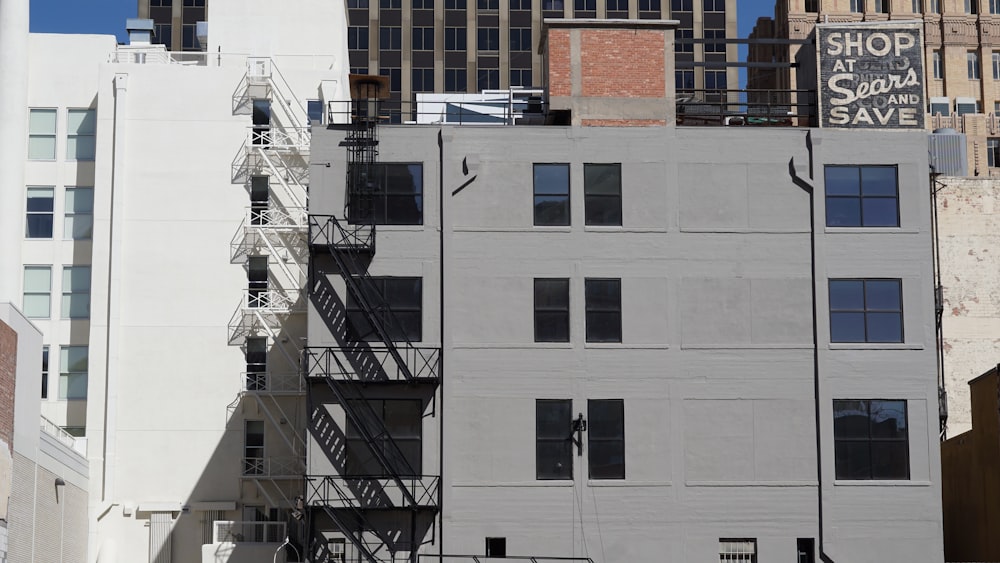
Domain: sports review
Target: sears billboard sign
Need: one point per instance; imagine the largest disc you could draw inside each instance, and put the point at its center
(871, 75)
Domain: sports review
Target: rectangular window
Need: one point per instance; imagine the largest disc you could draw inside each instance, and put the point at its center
(971, 6)
(454, 39)
(520, 39)
(422, 80)
(938, 64)
(363, 4)
(40, 205)
(163, 35)
(161, 4)
(395, 80)
(76, 292)
(682, 47)
(996, 65)
(454, 4)
(551, 188)
(390, 4)
(993, 152)
(423, 4)
(617, 5)
(257, 294)
(37, 292)
(398, 197)
(487, 5)
(194, 3)
(882, 6)
(680, 6)
(496, 547)
(870, 439)
(866, 310)
(812, 6)
(455, 79)
(489, 39)
(357, 37)
(862, 196)
(742, 550)
(649, 6)
(396, 432)
(488, 79)
(45, 372)
(604, 309)
(42, 134)
(716, 80)
(995, 7)
(585, 5)
(423, 38)
(606, 438)
(719, 47)
(521, 77)
(520, 5)
(73, 367)
(398, 304)
(553, 447)
(81, 143)
(253, 447)
(256, 358)
(189, 37)
(935, 6)
(78, 223)
(602, 194)
(551, 310)
(314, 111)
(260, 199)
(805, 550)
(684, 80)
(972, 62)
(857, 6)
(390, 38)
(715, 5)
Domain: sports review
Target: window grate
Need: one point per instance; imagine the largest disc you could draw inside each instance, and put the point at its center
(742, 550)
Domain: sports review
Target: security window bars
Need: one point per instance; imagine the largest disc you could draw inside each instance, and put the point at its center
(602, 194)
(604, 309)
(42, 134)
(37, 292)
(403, 301)
(972, 62)
(553, 447)
(423, 38)
(397, 422)
(742, 550)
(78, 224)
(73, 368)
(870, 439)
(551, 310)
(606, 438)
(551, 189)
(76, 292)
(393, 194)
(866, 310)
(454, 38)
(862, 196)
(38, 222)
(81, 140)
(520, 39)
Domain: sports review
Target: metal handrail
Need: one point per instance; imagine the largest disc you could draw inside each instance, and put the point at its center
(423, 362)
(279, 137)
(339, 492)
(482, 558)
(326, 230)
(289, 466)
(267, 382)
(232, 531)
(274, 217)
(272, 300)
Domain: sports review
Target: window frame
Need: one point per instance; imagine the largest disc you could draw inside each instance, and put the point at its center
(71, 215)
(30, 214)
(681, 6)
(393, 311)
(552, 310)
(457, 38)
(590, 198)
(71, 294)
(549, 438)
(45, 371)
(29, 311)
(865, 311)
(594, 311)
(65, 375)
(937, 64)
(861, 197)
(714, 6)
(594, 429)
(902, 437)
(460, 77)
(358, 38)
(384, 197)
(520, 44)
(42, 133)
(564, 204)
(727, 555)
(82, 133)
(390, 38)
(993, 152)
(972, 65)
(355, 440)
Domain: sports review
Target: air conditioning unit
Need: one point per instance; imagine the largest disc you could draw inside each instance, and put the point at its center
(966, 105)
(941, 105)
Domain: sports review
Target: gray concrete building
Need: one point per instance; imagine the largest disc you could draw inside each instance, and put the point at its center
(622, 343)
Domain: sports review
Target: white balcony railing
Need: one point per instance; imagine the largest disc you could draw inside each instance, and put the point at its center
(289, 218)
(53, 429)
(273, 466)
(278, 137)
(272, 300)
(228, 531)
(275, 383)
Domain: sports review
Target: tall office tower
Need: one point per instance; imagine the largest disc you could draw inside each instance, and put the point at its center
(475, 45)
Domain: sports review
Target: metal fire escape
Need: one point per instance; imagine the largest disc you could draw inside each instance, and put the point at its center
(369, 512)
(273, 166)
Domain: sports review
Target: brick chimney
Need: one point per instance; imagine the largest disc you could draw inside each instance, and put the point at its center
(611, 73)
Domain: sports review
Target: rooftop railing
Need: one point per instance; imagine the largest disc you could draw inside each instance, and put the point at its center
(759, 108)
(228, 531)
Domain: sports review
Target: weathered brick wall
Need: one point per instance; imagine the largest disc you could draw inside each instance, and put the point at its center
(8, 367)
(558, 52)
(622, 63)
(969, 241)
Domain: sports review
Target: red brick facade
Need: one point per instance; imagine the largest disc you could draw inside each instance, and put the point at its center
(623, 63)
(560, 79)
(8, 369)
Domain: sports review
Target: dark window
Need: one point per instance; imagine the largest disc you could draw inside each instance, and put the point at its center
(684, 80)
(163, 35)
(617, 5)
(161, 3)
(423, 39)
(454, 38)
(257, 296)
(971, 6)
(357, 37)
(715, 5)
(520, 5)
(606, 438)
(454, 4)
(719, 47)
(357, 4)
(604, 309)
(993, 152)
(45, 372)
(553, 448)
(314, 109)
(812, 5)
(261, 122)
(681, 47)
(395, 78)
(390, 4)
(423, 4)
(742, 550)
(260, 199)
(520, 39)
(551, 310)
(520, 77)
(496, 547)
(423, 80)
(398, 308)
(882, 6)
(455, 79)
(189, 38)
(552, 5)
(681, 5)
(649, 6)
(805, 550)
(716, 80)
(870, 439)
(38, 223)
(602, 193)
(551, 184)
(256, 357)
(194, 3)
(253, 448)
(393, 196)
(396, 427)
(390, 38)
(866, 310)
(489, 79)
(862, 196)
(488, 4)
(585, 5)
(489, 38)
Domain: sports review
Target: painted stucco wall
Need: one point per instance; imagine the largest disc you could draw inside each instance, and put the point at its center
(716, 362)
